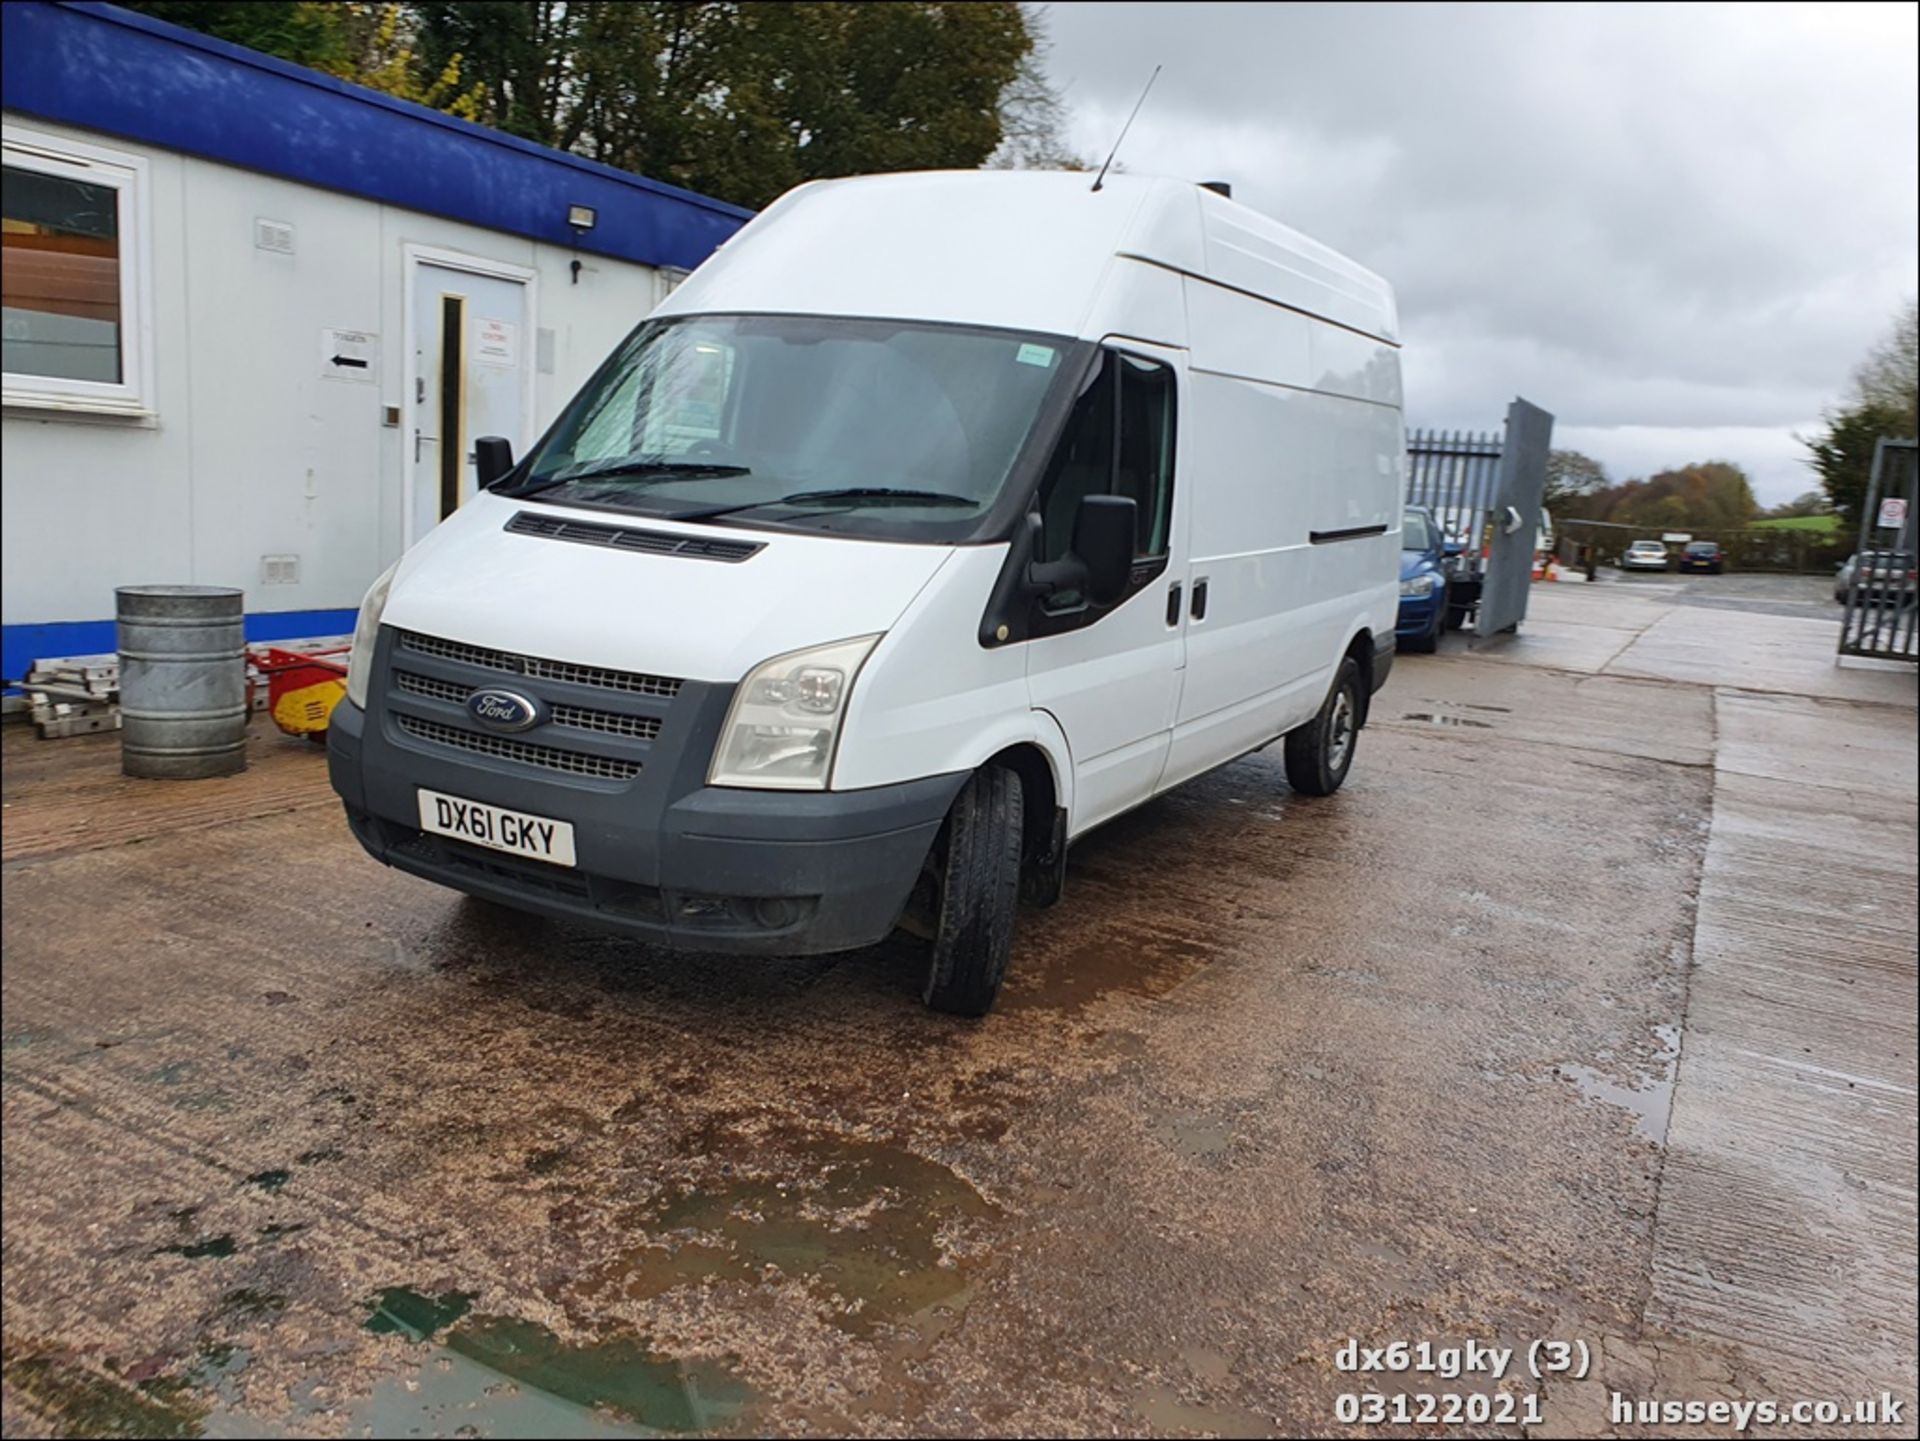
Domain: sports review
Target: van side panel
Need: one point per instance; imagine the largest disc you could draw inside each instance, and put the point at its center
(1279, 449)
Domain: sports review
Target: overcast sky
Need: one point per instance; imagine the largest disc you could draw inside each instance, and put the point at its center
(1676, 228)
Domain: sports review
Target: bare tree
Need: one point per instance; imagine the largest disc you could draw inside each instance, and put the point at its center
(1033, 117)
(1889, 378)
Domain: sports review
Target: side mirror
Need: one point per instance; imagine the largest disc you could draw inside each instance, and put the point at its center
(1100, 561)
(492, 458)
(1103, 540)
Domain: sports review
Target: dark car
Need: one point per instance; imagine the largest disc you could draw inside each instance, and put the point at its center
(1703, 555)
(1423, 581)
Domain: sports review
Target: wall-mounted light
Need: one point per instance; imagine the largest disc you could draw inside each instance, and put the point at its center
(581, 218)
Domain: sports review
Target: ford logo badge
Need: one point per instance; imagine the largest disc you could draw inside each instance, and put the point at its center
(504, 710)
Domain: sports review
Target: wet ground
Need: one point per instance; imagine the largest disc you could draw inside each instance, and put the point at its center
(1585, 1011)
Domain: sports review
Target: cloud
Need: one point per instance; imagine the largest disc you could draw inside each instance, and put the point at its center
(1673, 226)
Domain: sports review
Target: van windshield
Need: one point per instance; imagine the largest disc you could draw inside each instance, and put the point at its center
(879, 427)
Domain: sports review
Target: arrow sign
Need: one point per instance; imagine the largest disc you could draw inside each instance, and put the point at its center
(349, 355)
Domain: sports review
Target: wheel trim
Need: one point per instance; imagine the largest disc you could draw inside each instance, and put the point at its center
(1340, 731)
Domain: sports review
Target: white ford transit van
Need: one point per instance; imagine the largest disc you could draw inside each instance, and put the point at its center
(935, 520)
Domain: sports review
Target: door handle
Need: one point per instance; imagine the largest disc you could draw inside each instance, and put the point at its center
(1173, 604)
(1200, 600)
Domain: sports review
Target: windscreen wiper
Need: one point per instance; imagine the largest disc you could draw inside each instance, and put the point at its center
(666, 469)
(851, 492)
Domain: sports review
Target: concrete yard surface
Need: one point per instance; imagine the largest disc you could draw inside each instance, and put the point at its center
(1584, 1013)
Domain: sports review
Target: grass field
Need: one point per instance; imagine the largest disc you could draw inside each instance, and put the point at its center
(1819, 524)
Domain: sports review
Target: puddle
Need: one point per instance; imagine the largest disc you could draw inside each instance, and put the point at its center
(1445, 720)
(1197, 1137)
(402, 1311)
(1651, 1103)
(861, 1227)
(509, 1377)
(1164, 1410)
(269, 1180)
(1145, 965)
(195, 1250)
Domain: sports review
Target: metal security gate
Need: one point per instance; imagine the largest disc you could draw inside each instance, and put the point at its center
(1881, 610)
(1485, 491)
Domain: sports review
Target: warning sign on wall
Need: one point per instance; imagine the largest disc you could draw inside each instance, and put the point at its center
(496, 342)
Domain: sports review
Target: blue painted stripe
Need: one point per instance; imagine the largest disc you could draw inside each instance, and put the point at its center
(130, 75)
(22, 645)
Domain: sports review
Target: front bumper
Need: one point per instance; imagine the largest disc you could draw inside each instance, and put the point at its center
(662, 857)
(1417, 612)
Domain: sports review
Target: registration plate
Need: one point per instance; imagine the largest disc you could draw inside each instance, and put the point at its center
(515, 832)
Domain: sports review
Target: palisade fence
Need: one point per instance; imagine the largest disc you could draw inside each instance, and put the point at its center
(1883, 602)
(1456, 474)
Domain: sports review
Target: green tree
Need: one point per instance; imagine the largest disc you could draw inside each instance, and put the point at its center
(1572, 480)
(741, 101)
(1843, 455)
(296, 30)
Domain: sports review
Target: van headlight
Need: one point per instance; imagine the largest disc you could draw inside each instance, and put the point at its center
(366, 631)
(1419, 585)
(785, 719)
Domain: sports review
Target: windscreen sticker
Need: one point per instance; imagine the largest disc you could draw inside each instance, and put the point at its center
(1040, 355)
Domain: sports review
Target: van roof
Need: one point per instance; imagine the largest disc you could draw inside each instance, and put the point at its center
(1026, 250)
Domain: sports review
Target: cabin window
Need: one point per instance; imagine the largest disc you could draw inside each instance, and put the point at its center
(1117, 441)
(70, 218)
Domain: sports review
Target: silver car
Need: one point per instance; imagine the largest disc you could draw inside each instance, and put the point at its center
(1882, 576)
(1644, 555)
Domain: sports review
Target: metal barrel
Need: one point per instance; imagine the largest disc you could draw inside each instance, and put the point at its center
(183, 681)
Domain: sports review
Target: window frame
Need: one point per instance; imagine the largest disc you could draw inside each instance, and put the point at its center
(1044, 618)
(129, 177)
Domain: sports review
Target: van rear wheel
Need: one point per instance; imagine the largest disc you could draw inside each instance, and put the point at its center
(976, 867)
(1320, 753)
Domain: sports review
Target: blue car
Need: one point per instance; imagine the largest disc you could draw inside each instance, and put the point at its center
(1423, 581)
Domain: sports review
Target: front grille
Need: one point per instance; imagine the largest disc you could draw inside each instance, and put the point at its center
(620, 537)
(639, 727)
(631, 682)
(525, 752)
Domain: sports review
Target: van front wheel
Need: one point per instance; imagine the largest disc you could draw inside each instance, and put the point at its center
(976, 866)
(1320, 752)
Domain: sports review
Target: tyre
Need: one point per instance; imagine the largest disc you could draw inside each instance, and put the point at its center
(1456, 617)
(1319, 753)
(976, 866)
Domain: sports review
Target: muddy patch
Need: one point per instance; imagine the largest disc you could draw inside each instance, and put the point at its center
(877, 1235)
(1144, 964)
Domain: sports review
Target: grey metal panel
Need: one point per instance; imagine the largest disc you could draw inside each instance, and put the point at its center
(1883, 611)
(1516, 518)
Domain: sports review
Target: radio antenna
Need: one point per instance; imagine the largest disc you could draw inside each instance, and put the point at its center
(1099, 179)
